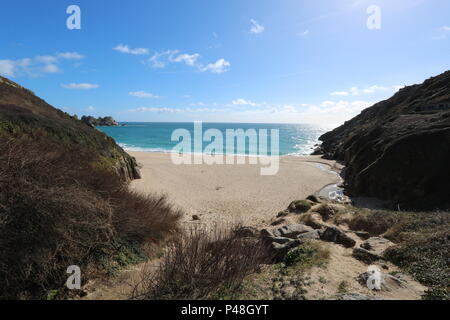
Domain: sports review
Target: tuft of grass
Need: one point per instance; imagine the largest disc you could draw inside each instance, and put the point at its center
(299, 206)
(343, 287)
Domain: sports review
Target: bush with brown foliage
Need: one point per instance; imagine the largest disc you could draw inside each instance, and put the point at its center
(202, 264)
(59, 207)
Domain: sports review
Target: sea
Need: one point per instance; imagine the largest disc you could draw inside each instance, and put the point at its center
(294, 139)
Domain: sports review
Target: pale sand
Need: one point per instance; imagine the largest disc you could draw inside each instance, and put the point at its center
(231, 193)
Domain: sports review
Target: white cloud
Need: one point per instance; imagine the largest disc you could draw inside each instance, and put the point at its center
(142, 94)
(161, 59)
(177, 110)
(255, 27)
(7, 68)
(189, 59)
(90, 108)
(244, 102)
(80, 86)
(71, 55)
(126, 49)
(158, 59)
(36, 66)
(445, 28)
(220, 66)
(51, 68)
(355, 91)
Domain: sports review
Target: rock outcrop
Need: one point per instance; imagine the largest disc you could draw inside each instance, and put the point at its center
(99, 122)
(22, 113)
(399, 149)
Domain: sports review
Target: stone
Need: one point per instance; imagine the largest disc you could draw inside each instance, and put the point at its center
(336, 235)
(388, 282)
(265, 233)
(366, 256)
(377, 245)
(278, 222)
(311, 235)
(282, 214)
(291, 230)
(363, 234)
(353, 296)
(278, 251)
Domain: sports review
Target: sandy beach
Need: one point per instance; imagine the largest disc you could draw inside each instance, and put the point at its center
(232, 193)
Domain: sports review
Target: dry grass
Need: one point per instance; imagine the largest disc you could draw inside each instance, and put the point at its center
(59, 208)
(202, 263)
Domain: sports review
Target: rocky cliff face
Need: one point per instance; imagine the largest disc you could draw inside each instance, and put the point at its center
(23, 113)
(94, 122)
(399, 149)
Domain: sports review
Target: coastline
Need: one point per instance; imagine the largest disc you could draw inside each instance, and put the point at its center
(232, 193)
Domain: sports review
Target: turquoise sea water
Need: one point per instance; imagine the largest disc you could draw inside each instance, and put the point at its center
(294, 139)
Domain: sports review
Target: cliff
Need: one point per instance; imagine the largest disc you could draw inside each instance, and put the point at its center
(399, 149)
(94, 122)
(23, 113)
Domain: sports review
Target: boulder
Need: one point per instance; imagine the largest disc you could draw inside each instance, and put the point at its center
(311, 235)
(334, 234)
(377, 245)
(278, 251)
(292, 230)
(366, 256)
(388, 282)
(363, 234)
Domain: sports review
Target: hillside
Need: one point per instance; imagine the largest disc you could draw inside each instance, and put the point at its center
(399, 149)
(65, 201)
(23, 113)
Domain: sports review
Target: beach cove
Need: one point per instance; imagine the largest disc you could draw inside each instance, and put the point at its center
(231, 193)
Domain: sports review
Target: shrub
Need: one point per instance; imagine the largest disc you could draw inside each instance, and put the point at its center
(313, 198)
(57, 209)
(202, 264)
(299, 206)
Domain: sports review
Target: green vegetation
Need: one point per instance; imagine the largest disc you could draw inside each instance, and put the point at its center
(299, 206)
(343, 287)
(313, 198)
(422, 238)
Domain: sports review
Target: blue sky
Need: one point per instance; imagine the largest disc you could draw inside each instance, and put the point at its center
(222, 61)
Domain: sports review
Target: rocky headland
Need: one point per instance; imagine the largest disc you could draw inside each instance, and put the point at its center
(398, 149)
(100, 121)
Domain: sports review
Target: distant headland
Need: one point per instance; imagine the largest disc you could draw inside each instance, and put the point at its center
(96, 122)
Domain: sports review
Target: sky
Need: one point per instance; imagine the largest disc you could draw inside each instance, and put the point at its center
(266, 61)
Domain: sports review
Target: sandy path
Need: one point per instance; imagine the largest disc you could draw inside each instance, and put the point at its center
(237, 193)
